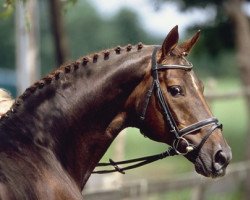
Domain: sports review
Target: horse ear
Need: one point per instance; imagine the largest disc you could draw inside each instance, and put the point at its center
(170, 41)
(187, 46)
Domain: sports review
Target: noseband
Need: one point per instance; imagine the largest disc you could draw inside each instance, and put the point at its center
(179, 134)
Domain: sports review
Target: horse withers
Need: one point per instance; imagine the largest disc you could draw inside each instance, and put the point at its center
(56, 132)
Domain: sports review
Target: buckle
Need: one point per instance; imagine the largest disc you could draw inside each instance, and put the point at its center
(176, 143)
(116, 167)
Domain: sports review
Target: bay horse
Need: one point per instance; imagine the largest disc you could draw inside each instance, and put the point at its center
(56, 132)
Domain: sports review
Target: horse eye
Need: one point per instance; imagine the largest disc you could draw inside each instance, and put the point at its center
(175, 90)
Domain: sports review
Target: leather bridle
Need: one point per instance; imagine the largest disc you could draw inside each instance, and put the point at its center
(179, 134)
(155, 87)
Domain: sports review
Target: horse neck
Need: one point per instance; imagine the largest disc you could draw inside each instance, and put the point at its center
(77, 111)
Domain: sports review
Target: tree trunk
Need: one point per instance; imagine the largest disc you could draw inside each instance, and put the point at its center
(242, 39)
(27, 45)
(58, 32)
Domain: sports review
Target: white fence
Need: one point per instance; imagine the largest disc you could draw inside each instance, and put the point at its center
(142, 188)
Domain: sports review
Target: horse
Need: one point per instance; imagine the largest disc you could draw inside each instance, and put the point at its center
(56, 132)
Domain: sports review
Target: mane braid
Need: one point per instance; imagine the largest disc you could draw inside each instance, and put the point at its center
(85, 61)
(118, 50)
(106, 54)
(139, 46)
(64, 69)
(95, 57)
(129, 47)
(67, 69)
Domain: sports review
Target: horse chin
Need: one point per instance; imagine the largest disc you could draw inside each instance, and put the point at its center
(204, 167)
(206, 170)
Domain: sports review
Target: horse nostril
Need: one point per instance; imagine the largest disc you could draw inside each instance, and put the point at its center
(220, 160)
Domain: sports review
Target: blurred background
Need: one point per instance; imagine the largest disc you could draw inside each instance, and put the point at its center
(38, 36)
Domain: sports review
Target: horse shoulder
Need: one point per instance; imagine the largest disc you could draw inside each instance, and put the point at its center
(56, 185)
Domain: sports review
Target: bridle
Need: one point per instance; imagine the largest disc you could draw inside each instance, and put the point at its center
(179, 134)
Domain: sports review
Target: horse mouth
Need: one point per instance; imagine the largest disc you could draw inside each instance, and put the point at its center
(207, 170)
(208, 166)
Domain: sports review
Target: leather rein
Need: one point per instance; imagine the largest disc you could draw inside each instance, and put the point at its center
(179, 134)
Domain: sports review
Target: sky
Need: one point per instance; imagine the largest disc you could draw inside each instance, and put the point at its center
(157, 22)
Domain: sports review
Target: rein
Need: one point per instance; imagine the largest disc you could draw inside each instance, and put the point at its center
(178, 134)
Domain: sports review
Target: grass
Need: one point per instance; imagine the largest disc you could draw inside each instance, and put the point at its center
(232, 113)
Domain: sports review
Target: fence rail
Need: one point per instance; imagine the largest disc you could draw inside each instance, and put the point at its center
(228, 95)
(142, 188)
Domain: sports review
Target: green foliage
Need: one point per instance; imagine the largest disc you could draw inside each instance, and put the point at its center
(90, 32)
(6, 9)
(87, 31)
(128, 27)
(217, 38)
(189, 4)
(7, 43)
(223, 65)
(214, 39)
(218, 34)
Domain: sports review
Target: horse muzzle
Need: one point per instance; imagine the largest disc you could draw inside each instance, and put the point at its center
(215, 167)
(211, 160)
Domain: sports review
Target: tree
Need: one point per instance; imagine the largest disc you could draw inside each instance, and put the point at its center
(217, 37)
(87, 31)
(58, 33)
(27, 47)
(90, 32)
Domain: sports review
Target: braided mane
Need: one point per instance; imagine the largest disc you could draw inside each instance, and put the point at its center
(65, 69)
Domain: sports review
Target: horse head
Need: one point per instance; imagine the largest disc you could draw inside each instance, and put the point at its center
(173, 109)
